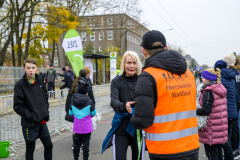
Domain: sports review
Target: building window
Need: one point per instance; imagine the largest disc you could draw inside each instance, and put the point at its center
(110, 35)
(109, 21)
(55, 61)
(92, 36)
(101, 35)
(84, 50)
(56, 47)
(92, 22)
(93, 50)
(83, 23)
(110, 48)
(46, 58)
(84, 36)
(100, 49)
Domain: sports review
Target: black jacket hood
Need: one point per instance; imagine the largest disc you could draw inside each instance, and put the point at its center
(168, 60)
(80, 100)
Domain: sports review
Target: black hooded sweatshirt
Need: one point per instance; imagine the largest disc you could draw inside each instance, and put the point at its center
(146, 92)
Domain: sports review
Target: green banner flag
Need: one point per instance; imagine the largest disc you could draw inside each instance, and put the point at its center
(72, 45)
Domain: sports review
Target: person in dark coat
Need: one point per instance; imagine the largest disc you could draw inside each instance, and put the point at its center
(90, 91)
(200, 76)
(71, 73)
(42, 74)
(31, 103)
(228, 81)
(122, 100)
(170, 67)
(67, 80)
(51, 79)
(235, 133)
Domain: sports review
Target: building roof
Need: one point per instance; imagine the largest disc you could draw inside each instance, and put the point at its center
(95, 56)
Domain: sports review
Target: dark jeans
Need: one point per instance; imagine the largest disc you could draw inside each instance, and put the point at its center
(189, 157)
(214, 152)
(80, 139)
(122, 143)
(51, 87)
(235, 131)
(65, 86)
(227, 148)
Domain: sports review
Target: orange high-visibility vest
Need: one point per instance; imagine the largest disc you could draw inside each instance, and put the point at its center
(174, 128)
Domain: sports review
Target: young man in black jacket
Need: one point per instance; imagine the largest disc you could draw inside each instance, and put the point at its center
(31, 103)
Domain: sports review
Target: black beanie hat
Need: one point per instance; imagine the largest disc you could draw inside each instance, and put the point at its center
(82, 86)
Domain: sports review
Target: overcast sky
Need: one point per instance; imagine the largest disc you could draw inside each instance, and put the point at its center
(209, 29)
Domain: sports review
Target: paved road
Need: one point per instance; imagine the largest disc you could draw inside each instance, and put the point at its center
(62, 145)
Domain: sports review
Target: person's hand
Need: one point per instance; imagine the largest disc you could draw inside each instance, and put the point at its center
(60, 80)
(56, 80)
(128, 106)
(44, 81)
(56, 71)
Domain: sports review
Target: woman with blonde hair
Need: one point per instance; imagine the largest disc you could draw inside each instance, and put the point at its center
(122, 95)
(214, 105)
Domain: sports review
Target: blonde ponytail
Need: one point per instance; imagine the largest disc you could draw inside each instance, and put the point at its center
(217, 72)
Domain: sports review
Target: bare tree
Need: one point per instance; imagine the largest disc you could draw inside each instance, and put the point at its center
(204, 66)
(178, 49)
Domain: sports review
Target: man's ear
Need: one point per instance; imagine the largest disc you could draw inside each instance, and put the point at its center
(166, 47)
(144, 52)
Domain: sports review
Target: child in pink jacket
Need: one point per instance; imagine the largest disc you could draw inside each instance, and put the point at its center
(214, 105)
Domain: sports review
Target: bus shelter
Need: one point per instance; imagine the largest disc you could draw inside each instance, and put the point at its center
(96, 57)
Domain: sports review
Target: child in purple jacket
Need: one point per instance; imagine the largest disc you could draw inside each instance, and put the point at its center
(214, 105)
(82, 109)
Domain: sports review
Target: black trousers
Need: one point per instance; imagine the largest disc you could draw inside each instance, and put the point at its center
(227, 147)
(48, 146)
(122, 142)
(214, 152)
(80, 139)
(51, 87)
(235, 131)
(188, 157)
(65, 86)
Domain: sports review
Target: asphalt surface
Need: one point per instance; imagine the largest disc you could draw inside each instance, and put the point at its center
(62, 145)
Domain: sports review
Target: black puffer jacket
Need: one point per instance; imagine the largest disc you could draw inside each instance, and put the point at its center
(31, 101)
(146, 91)
(122, 91)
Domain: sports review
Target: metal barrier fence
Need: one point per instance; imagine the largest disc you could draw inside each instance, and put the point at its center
(10, 75)
(10, 127)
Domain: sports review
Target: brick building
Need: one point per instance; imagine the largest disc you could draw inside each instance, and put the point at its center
(118, 30)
